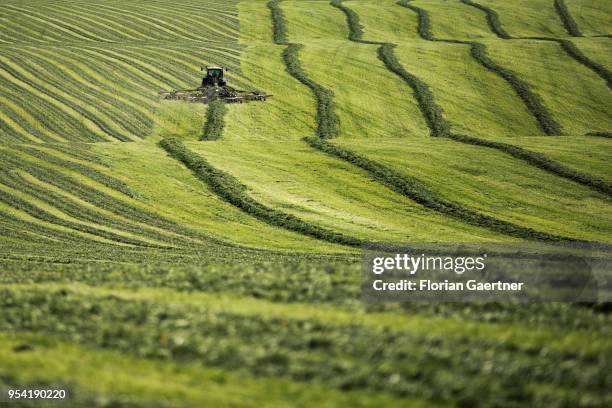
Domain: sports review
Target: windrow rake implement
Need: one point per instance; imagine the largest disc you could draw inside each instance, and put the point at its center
(214, 87)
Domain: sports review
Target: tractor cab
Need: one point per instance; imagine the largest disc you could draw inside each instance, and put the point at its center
(215, 76)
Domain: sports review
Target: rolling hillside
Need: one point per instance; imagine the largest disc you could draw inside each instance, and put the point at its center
(157, 253)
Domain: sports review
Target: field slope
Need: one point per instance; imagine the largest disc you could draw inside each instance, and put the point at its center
(156, 253)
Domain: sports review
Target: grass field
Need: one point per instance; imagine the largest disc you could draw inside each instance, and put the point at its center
(169, 254)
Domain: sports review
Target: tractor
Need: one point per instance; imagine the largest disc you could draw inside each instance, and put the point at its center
(214, 87)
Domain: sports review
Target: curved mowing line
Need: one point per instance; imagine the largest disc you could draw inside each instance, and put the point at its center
(417, 191)
(104, 65)
(39, 213)
(574, 52)
(85, 70)
(569, 47)
(566, 18)
(17, 127)
(327, 120)
(73, 20)
(478, 51)
(110, 115)
(94, 195)
(215, 26)
(96, 18)
(38, 106)
(91, 129)
(27, 121)
(230, 190)
(405, 185)
(279, 28)
(45, 19)
(8, 128)
(79, 168)
(128, 68)
(55, 234)
(158, 24)
(25, 75)
(84, 214)
(441, 127)
(121, 109)
(16, 33)
(492, 19)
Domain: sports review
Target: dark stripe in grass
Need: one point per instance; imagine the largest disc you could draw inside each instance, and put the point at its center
(215, 120)
(352, 18)
(601, 134)
(307, 349)
(567, 46)
(327, 120)
(539, 160)
(492, 19)
(420, 193)
(432, 112)
(478, 51)
(279, 27)
(229, 189)
(566, 18)
(574, 52)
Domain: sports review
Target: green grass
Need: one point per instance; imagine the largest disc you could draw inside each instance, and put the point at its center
(141, 280)
(528, 18)
(463, 90)
(453, 19)
(575, 95)
(592, 16)
(121, 377)
(496, 186)
(384, 21)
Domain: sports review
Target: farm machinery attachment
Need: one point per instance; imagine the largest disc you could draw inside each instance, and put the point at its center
(214, 87)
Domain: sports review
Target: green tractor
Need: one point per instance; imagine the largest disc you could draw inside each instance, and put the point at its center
(214, 87)
(215, 76)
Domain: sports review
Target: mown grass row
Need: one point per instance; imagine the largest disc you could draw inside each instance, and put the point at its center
(43, 215)
(434, 115)
(33, 359)
(215, 120)
(302, 349)
(86, 214)
(29, 81)
(569, 47)
(98, 176)
(492, 19)
(440, 127)
(229, 189)
(129, 20)
(600, 134)
(420, 193)
(327, 120)
(279, 28)
(566, 18)
(292, 278)
(431, 111)
(478, 51)
(417, 191)
(352, 18)
(539, 160)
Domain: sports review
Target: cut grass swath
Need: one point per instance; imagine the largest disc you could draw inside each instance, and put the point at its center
(229, 189)
(215, 120)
